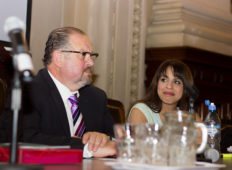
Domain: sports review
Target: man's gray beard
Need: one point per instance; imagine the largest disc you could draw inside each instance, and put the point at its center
(86, 82)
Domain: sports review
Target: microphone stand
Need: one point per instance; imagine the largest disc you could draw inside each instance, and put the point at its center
(16, 106)
(191, 105)
(193, 95)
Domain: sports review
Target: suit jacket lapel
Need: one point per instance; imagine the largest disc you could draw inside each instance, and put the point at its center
(58, 102)
(84, 105)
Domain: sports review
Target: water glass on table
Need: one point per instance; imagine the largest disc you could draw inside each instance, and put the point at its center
(126, 143)
(180, 132)
(154, 150)
(140, 144)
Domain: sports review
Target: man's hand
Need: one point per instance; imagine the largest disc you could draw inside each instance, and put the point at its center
(108, 150)
(95, 140)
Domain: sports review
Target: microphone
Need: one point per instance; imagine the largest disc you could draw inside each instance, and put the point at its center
(22, 60)
(193, 95)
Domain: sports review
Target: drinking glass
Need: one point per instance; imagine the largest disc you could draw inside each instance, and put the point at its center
(140, 143)
(127, 146)
(181, 134)
(153, 149)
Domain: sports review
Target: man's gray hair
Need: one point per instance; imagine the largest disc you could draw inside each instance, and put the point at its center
(58, 39)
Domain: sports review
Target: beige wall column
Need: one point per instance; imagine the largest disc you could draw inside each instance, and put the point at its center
(129, 45)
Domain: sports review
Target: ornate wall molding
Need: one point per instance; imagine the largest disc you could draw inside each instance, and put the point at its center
(135, 47)
(126, 80)
(113, 57)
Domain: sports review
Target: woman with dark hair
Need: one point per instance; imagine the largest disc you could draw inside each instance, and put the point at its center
(167, 92)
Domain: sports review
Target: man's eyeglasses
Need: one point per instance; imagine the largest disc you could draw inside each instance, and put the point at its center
(84, 54)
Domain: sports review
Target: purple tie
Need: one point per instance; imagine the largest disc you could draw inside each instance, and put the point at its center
(76, 114)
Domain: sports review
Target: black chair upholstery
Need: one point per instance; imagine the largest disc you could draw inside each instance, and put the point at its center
(2, 94)
(226, 138)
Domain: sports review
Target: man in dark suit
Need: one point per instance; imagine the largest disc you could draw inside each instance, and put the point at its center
(48, 118)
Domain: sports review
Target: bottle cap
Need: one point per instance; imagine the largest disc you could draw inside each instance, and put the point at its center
(207, 102)
(212, 154)
(212, 107)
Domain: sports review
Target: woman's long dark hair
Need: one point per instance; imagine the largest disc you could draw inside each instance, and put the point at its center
(182, 71)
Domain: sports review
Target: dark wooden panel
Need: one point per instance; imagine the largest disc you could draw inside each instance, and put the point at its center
(6, 67)
(6, 73)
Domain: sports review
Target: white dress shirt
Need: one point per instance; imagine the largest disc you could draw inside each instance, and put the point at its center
(65, 94)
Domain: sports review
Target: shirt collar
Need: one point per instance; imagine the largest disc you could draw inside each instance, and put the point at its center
(64, 91)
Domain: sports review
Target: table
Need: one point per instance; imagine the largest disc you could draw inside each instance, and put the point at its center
(227, 162)
(99, 164)
(87, 164)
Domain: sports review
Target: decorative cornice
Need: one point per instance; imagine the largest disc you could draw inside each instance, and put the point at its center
(175, 24)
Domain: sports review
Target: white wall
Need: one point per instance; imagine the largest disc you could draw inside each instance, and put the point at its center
(10, 8)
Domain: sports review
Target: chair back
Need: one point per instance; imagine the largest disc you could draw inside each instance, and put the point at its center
(116, 109)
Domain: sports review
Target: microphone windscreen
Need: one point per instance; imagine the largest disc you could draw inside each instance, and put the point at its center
(12, 23)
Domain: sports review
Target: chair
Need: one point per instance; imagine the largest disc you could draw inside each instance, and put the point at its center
(116, 109)
(2, 94)
(226, 138)
(6, 74)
